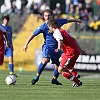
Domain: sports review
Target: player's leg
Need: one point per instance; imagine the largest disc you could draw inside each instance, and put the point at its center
(45, 60)
(71, 69)
(55, 76)
(9, 54)
(74, 72)
(11, 65)
(65, 64)
(40, 70)
(55, 60)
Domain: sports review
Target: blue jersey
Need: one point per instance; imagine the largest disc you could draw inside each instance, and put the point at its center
(9, 52)
(50, 43)
(48, 37)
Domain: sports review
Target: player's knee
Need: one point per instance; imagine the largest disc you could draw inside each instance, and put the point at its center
(45, 60)
(60, 59)
(10, 60)
(60, 69)
(56, 67)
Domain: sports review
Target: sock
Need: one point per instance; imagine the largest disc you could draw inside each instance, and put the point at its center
(73, 71)
(69, 76)
(56, 74)
(40, 69)
(11, 68)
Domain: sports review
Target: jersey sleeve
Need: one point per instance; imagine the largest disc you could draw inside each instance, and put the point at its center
(38, 30)
(3, 29)
(57, 35)
(61, 21)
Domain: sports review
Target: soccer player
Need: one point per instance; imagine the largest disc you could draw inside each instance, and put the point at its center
(8, 52)
(70, 48)
(3, 33)
(50, 44)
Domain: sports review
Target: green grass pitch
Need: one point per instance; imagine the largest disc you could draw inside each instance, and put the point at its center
(44, 90)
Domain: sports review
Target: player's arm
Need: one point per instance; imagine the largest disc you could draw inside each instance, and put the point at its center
(57, 35)
(6, 39)
(74, 20)
(27, 42)
(60, 43)
(36, 32)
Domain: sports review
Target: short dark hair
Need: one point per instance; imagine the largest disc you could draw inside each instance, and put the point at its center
(52, 22)
(49, 11)
(6, 17)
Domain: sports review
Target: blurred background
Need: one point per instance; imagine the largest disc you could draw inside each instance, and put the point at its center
(27, 15)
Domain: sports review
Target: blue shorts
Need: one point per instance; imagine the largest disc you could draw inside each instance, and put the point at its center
(50, 53)
(9, 52)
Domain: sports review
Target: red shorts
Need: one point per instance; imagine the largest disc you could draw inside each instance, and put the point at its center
(68, 62)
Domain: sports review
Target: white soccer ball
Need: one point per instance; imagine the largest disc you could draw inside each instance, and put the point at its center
(11, 79)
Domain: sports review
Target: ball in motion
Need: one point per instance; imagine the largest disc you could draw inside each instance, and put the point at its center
(10, 80)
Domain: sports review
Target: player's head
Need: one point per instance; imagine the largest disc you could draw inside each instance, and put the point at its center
(47, 14)
(5, 19)
(53, 24)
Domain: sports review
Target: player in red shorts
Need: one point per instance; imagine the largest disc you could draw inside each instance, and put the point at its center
(71, 51)
(2, 32)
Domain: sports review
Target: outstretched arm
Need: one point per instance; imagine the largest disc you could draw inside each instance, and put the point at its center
(74, 20)
(27, 42)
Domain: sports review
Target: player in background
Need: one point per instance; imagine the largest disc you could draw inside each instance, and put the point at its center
(8, 52)
(71, 51)
(50, 44)
(3, 33)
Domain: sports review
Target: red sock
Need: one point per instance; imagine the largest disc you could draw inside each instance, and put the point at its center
(67, 75)
(76, 80)
(74, 73)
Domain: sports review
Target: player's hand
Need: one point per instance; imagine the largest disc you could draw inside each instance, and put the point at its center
(83, 52)
(57, 50)
(79, 21)
(25, 48)
(7, 44)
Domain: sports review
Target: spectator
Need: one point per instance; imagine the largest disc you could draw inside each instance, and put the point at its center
(85, 19)
(32, 7)
(75, 3)
(23, 4)
(8, 4)
(13, 7)
(18, 4)
(98, 15)
(57, 10)
(98, 3)
(80, 5)
(89, 2)
(71, 11)
(89, 8)
(94, 25)
(67, 2)
(44, 7)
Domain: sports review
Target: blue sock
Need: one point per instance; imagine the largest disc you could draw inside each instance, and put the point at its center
(56, 74)
(40, 69)
(11, 68)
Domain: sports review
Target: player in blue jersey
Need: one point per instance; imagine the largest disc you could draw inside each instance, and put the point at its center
(8, 52)
(49, 46)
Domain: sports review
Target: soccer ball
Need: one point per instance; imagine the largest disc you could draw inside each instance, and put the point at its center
(10, 80)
